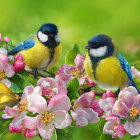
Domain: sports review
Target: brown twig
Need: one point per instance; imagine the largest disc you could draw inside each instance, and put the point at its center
(39, 74)
(99, 93)
(88, 89)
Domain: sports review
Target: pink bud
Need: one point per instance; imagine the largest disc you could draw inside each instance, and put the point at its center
(19, 57)
(91, 83)
(19, 65)
(16, 129)
(6, 39)
(30, 133)
(0, 37)
(3, 58)
(108, 94)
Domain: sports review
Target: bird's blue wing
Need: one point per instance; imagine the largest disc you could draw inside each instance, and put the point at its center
(29, 43)
(127, 69)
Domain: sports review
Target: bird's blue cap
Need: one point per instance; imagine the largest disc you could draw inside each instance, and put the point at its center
(100, 40)
(49, 27)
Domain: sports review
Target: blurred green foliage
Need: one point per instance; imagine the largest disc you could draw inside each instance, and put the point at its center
(78, 21)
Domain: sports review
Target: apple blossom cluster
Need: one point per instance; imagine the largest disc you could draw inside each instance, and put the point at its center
(8, 70)
(47, 106)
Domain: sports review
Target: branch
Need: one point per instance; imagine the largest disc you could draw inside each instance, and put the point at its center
(88, 89)
(39, 74)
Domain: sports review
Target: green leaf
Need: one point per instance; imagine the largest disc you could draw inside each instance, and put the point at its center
(137, 82)
(17, 84)
(7, 45)
(64, 134)
(123, 120)
(53, 70)
(4, 126)
(73, 88)
(101, 124)
(133, 137)
(105, 137)
(71, 55)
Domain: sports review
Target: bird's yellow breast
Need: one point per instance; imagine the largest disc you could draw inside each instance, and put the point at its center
(108, 72)
(39, 56)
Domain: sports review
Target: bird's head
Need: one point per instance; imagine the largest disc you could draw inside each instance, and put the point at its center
(100, 46)
(48, 35)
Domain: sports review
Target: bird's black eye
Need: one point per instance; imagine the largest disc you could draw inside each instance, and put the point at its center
(46, 32)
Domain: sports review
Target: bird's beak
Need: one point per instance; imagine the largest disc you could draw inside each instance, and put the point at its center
(86, 47)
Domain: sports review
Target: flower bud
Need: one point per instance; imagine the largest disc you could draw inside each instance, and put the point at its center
(6, 39)
(30, 133)
(91, 83)
(19, 64)
(16, 129)
(108, 94)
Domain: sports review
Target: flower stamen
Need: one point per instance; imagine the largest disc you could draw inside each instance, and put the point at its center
(47, 117)
(2, 74)
(75, 71)
(133, 112)
(114, 125)
(76, 106)
(23, 105)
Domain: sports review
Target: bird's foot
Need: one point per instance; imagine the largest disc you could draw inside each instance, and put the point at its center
(52, 75)
(117, 92)
(88, 89)
(35, 73)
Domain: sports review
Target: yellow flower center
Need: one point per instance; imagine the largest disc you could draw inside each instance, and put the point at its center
(23, 105)
(47, 117)
(2, 74)
(76, 106)
(51, 88)
(114, 125)
(75, 71)
(133, 112)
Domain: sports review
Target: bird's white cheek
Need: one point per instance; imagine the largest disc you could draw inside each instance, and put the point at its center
(99, 52)
(57, 38)
(42, 37)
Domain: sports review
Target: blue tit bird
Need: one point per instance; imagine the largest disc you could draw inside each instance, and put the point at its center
(42, 50)
(106, 66)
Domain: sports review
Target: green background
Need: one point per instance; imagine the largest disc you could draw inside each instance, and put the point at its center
(78, 21)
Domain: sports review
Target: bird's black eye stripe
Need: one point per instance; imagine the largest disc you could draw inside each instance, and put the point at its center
(46, 32)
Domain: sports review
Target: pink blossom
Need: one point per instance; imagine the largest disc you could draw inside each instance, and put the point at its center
(48, 86)
(108, 94)
(95, 106)
(19, 63)
(3, 56)
(128, 106)
(82, 113)
(19, 111)
(135, 72)
(107, 106)
(114, 127)
(61, 85)
(16, 129)
(6, 70)
(6, 82)
(6, 39)
(90, 82)
(52, 115)
(68, 72)
(30, 133)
